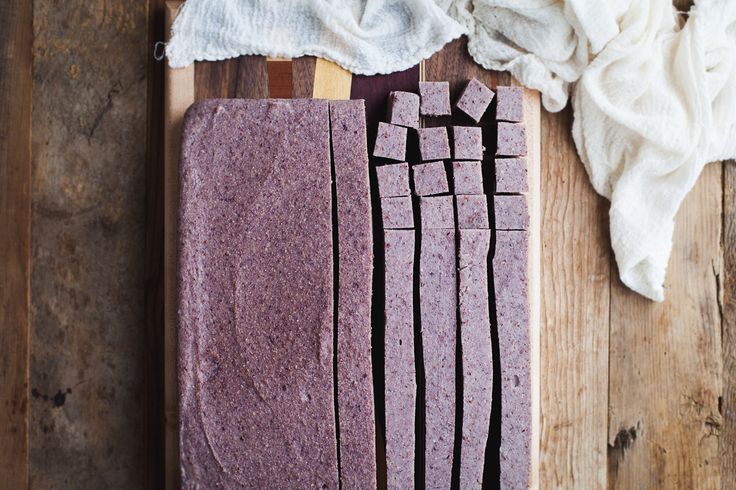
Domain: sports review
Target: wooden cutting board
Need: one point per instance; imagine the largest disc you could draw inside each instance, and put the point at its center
(259, 77)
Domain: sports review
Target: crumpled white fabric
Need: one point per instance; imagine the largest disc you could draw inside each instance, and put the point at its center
(654, 100)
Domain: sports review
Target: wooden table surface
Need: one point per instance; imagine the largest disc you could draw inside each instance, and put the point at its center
(634, 394)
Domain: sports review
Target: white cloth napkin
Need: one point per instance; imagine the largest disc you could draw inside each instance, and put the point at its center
(654, 100)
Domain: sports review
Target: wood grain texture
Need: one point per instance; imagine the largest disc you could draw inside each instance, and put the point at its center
(665, 360)
(16, 40)
(575, 316)
(727, 438)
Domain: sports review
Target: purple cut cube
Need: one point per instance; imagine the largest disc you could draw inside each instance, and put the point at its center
(430, 178)
(433, 143)
(510, 104)
(435, 98)
(475, 99)
(467, 143)
(467, 177)
(511, 175)
(393, 180)
(472, 212)
(512, 212)
(403, 109)
(436, 212)
(397, 213)
(511, 139)
(390, 142)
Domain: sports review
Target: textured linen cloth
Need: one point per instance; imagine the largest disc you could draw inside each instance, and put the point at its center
(654, 98)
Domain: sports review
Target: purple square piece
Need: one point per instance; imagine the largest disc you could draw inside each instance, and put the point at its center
(475, 99)
(397, 212)
(467, 143)
(472, 212)
(512, 212)
(390, 142)
(436, 212)
(510, 104)
(511, 139)
(403, 109)
(393, 180)
(467, 177)
(430, 178)
(435, 98)
(511, 175)
(433, 143)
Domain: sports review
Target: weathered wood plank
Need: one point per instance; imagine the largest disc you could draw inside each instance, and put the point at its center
(728, 317)
(665, 360)
(16, 42)
(575, 316)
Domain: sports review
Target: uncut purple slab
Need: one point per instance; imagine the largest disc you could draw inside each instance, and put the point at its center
(438, 306)
(403, 109)
(511, 175)
(475, 328)
(509, 104)
(435, 98)
(255, 338)
(475, 99)
(467, 177)
(400, 371)
(390, 142)
(397, 212)
(511, 139)
(430, 178)
(510, 276)
(512, 212)
(393, 180)
(356, 411)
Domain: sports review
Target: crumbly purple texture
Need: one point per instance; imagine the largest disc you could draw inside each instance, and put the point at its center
(475, 328)
(433, 143)
(357, 421)
(438, 306)
(511, 175)
(390, 142)
(510, 276)
(510, 104)
(397, 213)
(400, 373)
(512, 212)
(475, 99)
(403, 109)
(393, 180)
(472, 212)
(467, 177)
(467, 143)
(255, 371)
(436, 212)
(430, 178)
(435, 98)
(511, 139)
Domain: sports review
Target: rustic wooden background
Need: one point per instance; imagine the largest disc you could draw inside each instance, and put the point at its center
(634, 394)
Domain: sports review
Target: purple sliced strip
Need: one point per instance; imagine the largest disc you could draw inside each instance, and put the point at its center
(400, 371)
(475, 328)
(255, 370)
(510, 275)
(357, 422)
(438, 306)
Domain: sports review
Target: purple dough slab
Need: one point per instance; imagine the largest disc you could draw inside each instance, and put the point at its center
(512, 212)
(433, 143)
(255, 279)
(475, 99)
(472, 212)
(436, 212)
(390, 142)
(430, 178)
(438, 306)
(509, 104)
(435, 98)
(400, 371)
(510, 276)
(356, 411)
(403, 109)
(511, 139)
(393, 180)
(475, 328)
(467, 143)
(511, 175)
(397, 212)
(467, 177)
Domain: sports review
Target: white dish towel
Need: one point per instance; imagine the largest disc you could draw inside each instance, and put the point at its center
(654, 98)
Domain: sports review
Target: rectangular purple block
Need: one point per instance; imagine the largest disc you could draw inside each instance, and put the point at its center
(511, 175)
(511, 139)
(400, 372)
(467, 177)
(467, 143)
(436, 212)
(510, 276)
(475, 332)
(433, 143)
(435, 98)
(509, 104)
(390, 142)
(393, 180)
(512, 212)
(403, 109)
(430, 178)
(475, 99)
(438, 306)
(255, 300)
(397, 212)
(472, 212)
(357, 421)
